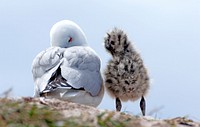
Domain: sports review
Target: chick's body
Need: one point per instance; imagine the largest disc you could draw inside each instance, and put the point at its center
(126, 77)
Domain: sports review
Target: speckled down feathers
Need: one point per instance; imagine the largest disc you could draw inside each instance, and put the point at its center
(125, 76)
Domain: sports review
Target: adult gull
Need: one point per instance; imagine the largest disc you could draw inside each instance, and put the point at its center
(69, 69)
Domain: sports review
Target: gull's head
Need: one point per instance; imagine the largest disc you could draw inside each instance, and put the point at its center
(66, 34)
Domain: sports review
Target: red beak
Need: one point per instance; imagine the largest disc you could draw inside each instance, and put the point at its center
(70, 39)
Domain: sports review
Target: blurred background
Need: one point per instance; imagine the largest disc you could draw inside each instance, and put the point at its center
(166, 33)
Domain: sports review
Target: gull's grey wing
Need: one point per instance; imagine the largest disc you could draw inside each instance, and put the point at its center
(44, 65)
(81, 69)
(46, 60)
(57, 82)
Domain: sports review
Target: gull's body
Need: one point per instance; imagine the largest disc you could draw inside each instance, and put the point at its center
(69, 69)
(126, 77)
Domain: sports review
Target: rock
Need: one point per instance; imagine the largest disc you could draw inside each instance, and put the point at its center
(34, 112)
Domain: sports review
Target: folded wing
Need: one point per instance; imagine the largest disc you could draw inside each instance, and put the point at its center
(81, 69)
(44, 65)
(71, 68)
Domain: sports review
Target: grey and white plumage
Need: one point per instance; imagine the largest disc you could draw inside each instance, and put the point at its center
(126, 77)
(69, 69)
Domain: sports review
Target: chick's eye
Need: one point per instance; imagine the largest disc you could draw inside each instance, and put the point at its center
(70, 39)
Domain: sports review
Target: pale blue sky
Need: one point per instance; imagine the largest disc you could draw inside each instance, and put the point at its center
(167, 34)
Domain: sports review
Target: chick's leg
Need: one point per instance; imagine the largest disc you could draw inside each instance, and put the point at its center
(118, 104)
(143, 105)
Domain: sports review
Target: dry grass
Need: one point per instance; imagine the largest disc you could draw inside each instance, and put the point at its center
(29, 112)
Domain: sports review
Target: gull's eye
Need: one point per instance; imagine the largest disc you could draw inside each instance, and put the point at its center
(70, 39)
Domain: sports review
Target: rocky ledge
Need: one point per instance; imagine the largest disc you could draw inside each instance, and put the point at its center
(37, 112)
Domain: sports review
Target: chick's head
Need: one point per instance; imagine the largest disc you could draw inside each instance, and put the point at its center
(116, 42)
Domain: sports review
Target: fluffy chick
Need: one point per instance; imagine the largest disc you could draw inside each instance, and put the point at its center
(126, 77)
